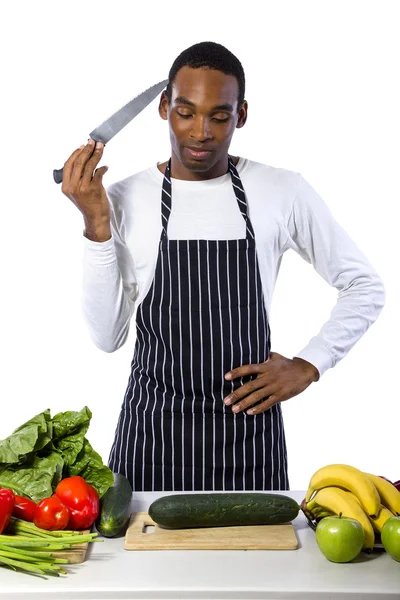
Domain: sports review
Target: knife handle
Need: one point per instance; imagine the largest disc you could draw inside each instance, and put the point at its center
(58, 175)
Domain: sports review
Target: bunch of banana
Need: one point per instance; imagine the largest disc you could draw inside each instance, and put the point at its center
(344, 490)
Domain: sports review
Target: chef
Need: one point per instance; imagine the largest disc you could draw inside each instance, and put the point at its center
(192, 246)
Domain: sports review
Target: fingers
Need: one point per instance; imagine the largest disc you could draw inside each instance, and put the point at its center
(78, 170)
(263, 406)
(80, 164)
(98, 175)
(244, 390)
(250, 400)
(245, 370)
(68, 168)
(92, 163)
(256, 396)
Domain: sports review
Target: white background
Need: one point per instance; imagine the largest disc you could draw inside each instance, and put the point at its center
(322, 87)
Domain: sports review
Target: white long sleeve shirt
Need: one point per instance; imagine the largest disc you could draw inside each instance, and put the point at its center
(286, 213)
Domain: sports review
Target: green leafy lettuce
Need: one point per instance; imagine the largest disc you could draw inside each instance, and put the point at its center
(89, 465)
(44, 450)
(30, 437)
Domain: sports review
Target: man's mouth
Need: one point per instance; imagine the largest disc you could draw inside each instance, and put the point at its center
(197, 153)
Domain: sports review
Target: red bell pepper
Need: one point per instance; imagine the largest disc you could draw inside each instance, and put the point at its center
(51, 514)
(7, 499)
(24, 508)
(81, 499)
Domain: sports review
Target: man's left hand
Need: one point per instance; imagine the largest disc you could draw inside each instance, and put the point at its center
(278, 379)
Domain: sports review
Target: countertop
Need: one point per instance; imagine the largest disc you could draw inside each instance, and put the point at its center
(303, 574)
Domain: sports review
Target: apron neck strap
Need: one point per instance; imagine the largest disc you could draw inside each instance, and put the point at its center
(240, 195)
(166, 196)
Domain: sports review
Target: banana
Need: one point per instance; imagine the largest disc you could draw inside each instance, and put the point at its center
(315, 512)
(379, 522)
(343, 502)
(351, 479)
(390, 496)
(320, 513)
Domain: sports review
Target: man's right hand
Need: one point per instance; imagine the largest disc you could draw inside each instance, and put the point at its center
(86, 190)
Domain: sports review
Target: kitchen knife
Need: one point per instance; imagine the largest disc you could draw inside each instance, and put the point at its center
(106, 131)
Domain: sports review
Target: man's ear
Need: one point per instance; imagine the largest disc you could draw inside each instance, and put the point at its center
(163, 106)
(242, 115)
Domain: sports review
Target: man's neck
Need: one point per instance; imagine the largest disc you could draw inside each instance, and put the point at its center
(162, 166)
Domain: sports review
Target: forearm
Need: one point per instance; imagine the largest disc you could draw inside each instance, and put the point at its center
(107, 308)
(357, 308)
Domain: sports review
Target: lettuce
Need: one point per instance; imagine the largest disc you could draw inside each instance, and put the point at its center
(30, 437)
(42, 451)
(37, 477)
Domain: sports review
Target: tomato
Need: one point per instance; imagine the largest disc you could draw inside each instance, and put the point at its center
(51, 514)
(82, 500)
(24, 508)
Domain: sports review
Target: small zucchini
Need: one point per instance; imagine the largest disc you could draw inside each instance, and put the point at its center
(115, 507)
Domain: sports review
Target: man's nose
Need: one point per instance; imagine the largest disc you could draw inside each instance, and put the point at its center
(201, 129)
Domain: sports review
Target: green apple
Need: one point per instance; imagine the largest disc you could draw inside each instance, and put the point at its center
(340, 539)
(390, 537)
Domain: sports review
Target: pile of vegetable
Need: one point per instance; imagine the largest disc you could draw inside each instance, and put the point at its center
(44, 450)
(30, 548)
(53, 488)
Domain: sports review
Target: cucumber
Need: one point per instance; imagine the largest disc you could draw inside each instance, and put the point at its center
(115, 507)
(223, 509)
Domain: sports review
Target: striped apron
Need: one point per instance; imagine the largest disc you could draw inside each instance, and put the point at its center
(203, 315)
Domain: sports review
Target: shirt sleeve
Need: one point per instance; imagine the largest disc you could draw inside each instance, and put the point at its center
(109, 287)
(316, 236)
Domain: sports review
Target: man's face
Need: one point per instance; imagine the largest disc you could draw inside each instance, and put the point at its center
(202, 115)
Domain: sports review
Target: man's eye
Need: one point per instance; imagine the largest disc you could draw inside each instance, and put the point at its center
(216, 119)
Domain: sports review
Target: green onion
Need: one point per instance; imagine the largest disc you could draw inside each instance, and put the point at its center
(31, 549)
(21, 526)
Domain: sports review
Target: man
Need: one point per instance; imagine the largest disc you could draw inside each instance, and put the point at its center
(194, 245)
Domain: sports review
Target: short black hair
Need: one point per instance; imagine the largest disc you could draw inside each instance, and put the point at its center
(211, 55)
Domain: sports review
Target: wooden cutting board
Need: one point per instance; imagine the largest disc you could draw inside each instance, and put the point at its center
(254, 537)
(75, 554)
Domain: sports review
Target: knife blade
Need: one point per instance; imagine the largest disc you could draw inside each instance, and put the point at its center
(111, 126)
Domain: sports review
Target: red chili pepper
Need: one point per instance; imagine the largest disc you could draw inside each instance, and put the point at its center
(82, 500)
(7, 499)
(24, 508)
(51, 514)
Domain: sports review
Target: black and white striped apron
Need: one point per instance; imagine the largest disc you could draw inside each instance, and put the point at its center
(203, 315)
